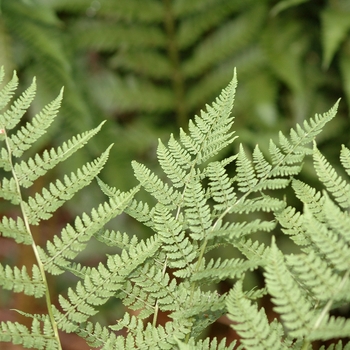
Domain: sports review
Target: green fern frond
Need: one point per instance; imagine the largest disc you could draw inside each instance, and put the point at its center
(28, 134)
(18, 280)
(35, 337)
(7, 91)
(332, 246)
(116, 239)
(289, 299)
(252, 325)
(13, 115)
(206, 344)
(338, 187)
(43, 205)
(345, 158)
(74, 240)
(28, 171)
(180, 251)
(9, 191)
(15, 229)
(96, 335)
(152, 184)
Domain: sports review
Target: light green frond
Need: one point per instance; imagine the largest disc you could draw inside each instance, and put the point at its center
(253, 250)
(4, 157)
(28, 171)
(289, 299)
(95, 334)
(9, 190)
(262, 166)
(12, 116)
(345, 158)
(30, 133)
(7, 92)
(18, 280)
(338, 187)
(337, 219)
(197, 212)
(74, 240)
(309, 196)
(206, 344)
(141, 212)
(104, 281)
(264, 203)
(209, 133)
(221, 188)
(35, 337)
(180, 252)
(43, 205)
(315, 274)
(292, 225)
(15, 229)
(246, 177)
(174, 168)
(219, 270)
(116, 239)
(252, 325)
(332, 246)
(155, 186)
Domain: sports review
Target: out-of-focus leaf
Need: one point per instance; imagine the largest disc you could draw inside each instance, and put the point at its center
(285, 4)
(335, 26)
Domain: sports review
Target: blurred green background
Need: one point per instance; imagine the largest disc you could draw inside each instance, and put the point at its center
(148, 66)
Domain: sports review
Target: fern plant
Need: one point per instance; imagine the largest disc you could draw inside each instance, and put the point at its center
(194, 208)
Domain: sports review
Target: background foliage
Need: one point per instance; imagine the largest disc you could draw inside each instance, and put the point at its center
(148, 66)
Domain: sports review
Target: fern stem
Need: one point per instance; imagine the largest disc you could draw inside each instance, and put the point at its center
(34, 247)
(177, 79)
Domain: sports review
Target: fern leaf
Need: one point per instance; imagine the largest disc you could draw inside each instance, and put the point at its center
(173, 167)
(206, 344)
(35, 338)
(221, 188)
(9, 191)
(339, 188)
(74, 240)
(6, 93)
(332, 246)
(43, 205)
(28, 171)
(197, 212)
(152, 184)
(252, 325)
(180, 252)
(209, 134)
(345, 158)
(28, 134)
(103, 282)
(15, 229)
(290, 301)
(18, 280)
(95, 334)
(13, 116)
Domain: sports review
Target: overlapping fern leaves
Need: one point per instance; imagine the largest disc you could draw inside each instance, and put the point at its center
(194, 208)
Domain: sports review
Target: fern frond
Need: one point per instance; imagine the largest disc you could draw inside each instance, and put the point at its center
(218, 270)
(206, 344)
(103, 282)
(13, 116)
(252, 325)
(43, 205)
(290, 302)
(197, 212)
(208, 134)
(95, 334)
(174, 165)
(180, 251)
(332, 327)
(338, 187)
(28, 134)
(152, 184)
(9, 191)
(74, 240)
(116, 239)
(332, 246)
(15, 229)
(34, 338)
(28, 171)
(18, 280)
(345, 158)
(7, 92)
(221, 189)
(315, 274)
